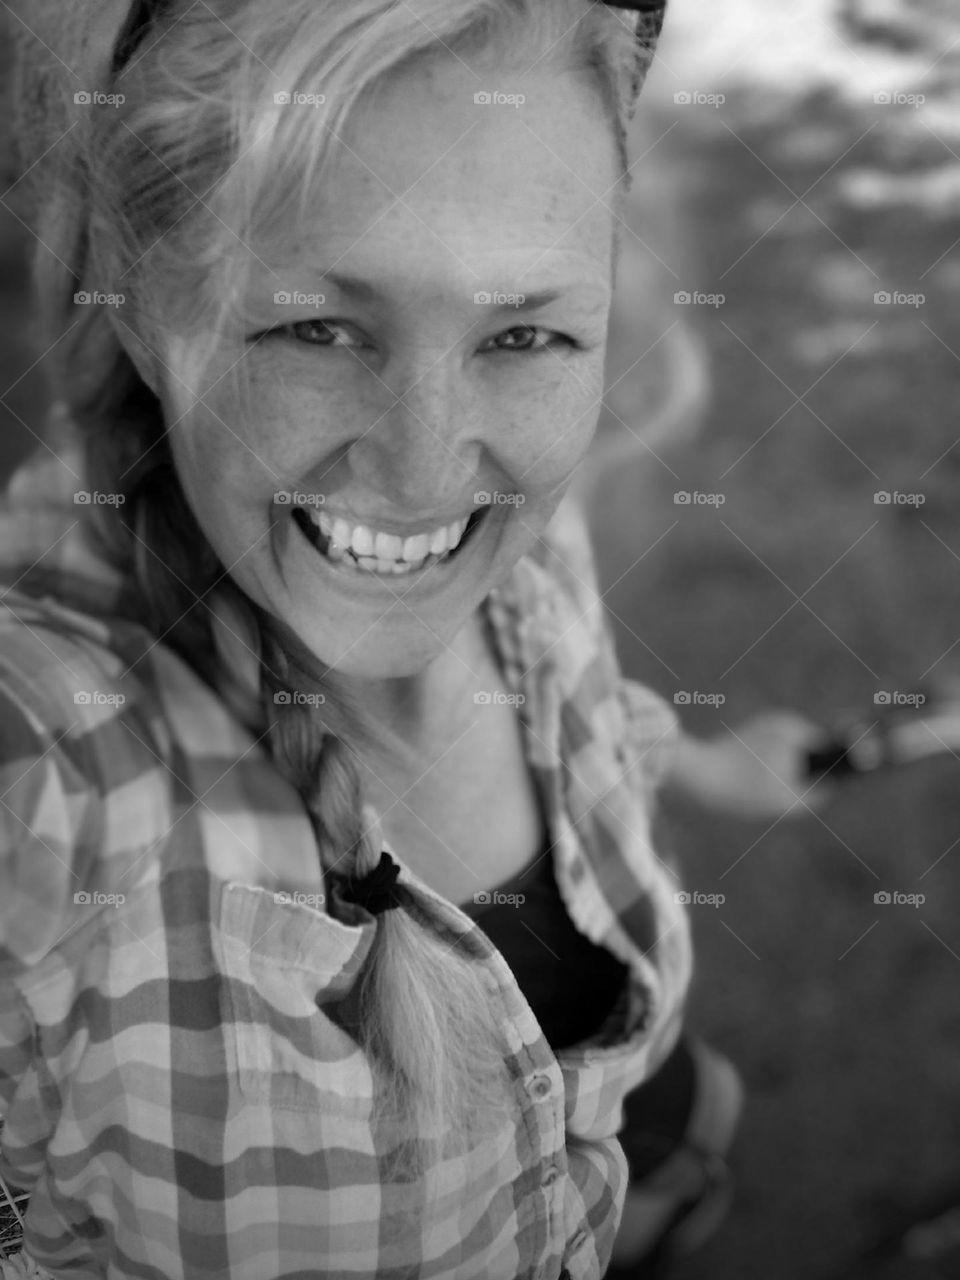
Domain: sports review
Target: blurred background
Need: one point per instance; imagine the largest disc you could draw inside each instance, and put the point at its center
(785, 346)
(792, 319)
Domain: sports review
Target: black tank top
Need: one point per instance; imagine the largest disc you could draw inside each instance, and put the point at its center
(570, 983)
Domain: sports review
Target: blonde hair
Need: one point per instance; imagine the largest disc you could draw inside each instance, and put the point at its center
(200, 122)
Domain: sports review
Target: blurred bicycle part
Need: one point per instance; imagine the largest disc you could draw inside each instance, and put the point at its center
(898, 734)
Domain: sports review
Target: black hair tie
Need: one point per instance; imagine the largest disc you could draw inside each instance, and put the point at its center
(376, 891)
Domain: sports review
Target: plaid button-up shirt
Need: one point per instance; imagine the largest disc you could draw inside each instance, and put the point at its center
(176, 1100)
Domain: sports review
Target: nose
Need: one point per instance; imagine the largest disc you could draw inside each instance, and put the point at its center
(424, 452)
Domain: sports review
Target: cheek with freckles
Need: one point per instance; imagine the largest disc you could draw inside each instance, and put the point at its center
(242, 443)
(551, 429)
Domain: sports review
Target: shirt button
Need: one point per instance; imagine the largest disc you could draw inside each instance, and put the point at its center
(541, 1087)
(550, 1177)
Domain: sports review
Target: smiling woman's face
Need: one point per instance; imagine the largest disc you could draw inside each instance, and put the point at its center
(400, 397)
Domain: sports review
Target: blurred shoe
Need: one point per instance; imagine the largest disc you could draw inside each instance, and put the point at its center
(682, 1203)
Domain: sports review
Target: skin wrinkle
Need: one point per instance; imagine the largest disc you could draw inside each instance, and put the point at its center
(512, 203)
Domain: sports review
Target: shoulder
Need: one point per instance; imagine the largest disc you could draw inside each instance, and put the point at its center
(82, 790)
(644, 720)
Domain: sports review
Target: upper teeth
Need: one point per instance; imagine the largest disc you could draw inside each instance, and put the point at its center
(364, 541)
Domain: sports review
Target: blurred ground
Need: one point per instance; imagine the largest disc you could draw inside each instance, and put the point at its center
(798, 591)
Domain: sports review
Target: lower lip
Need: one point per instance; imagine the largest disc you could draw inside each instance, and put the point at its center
(429, 580)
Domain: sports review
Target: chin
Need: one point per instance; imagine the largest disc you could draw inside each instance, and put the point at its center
(383, 653)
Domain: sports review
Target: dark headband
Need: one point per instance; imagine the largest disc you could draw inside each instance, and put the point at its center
(139, 17)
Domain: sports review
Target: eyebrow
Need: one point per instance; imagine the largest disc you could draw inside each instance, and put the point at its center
(364, 291)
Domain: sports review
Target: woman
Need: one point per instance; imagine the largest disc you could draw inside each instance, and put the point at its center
(316, 660)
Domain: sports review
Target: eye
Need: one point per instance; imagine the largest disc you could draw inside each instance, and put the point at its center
(318, 333)
(524, 337)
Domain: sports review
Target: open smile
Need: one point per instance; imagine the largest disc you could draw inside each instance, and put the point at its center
(365, 555)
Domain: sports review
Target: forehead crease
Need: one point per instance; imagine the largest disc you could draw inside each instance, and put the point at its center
(536, 268)
(467, 240)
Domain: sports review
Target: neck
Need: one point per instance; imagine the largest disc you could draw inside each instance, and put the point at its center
(429, 708)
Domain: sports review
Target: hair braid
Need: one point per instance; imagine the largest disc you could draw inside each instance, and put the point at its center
(439, 1060)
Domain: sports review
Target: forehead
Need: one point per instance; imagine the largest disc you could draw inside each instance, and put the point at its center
(521, 183)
